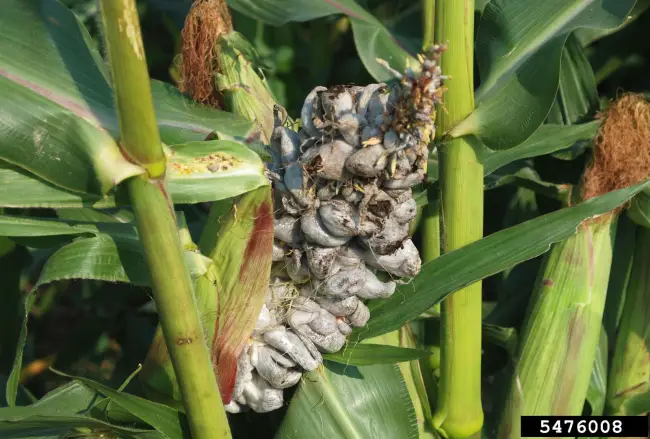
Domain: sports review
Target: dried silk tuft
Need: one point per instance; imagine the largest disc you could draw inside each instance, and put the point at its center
(621, 155)
(206, 21)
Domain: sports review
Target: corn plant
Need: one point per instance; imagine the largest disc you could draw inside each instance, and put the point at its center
(331, 219)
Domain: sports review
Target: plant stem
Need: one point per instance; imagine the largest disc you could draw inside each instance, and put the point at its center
(459, 412)
(428, 14)
(156, 223)
(431, 231)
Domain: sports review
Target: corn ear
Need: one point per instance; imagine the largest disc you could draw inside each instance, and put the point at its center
(244, 90)
(558, 344)
(630, 371)
(238, 238)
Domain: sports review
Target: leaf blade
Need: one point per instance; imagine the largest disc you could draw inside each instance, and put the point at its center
(483, 258)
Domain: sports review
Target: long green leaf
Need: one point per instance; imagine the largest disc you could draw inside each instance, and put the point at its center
(367, 354)
(372, 39)
(61, 114)
(32, 427)
(577, 96)
(164, 419)
(339, 401)
(547, 139)
(518, 47)
(59, 412)
(483, 258)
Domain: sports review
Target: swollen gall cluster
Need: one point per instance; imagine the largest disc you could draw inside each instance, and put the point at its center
(342, 188)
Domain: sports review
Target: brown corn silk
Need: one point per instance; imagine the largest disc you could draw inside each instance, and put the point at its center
(621, 149)
(561, 333)
(205, 23)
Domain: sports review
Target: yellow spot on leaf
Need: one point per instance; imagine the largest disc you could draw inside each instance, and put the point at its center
(210, 164)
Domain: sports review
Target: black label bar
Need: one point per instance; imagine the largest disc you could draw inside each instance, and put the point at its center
(585, 426)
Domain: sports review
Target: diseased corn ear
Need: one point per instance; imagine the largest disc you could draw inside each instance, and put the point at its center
(343, 199)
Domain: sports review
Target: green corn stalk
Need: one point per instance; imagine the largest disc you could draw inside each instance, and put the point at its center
(558, 343)
(238, 238)
(630, 371)
(156, 223)
(459, 412)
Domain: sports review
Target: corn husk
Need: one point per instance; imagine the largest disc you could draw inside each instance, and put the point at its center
(238, 238)
(557, 347)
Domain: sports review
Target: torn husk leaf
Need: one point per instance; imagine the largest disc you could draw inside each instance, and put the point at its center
(238, 238)
(630, 370)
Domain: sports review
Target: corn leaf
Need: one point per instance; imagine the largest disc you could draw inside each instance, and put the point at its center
(577, 96)
(351, 402)
(372, 39)
(101, 251)
(64, 410)
(518, 49)
(198, 172)
(164, 419)
(368, 354)
(483, 258)
(65, 113)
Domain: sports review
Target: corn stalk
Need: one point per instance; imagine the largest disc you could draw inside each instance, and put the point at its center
(459, 412)
(156, 223)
